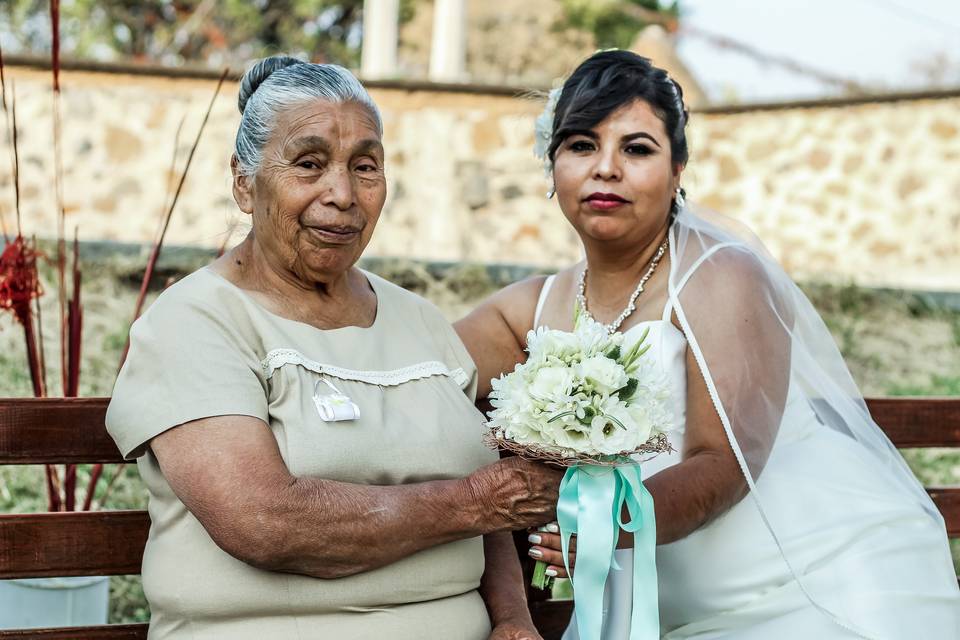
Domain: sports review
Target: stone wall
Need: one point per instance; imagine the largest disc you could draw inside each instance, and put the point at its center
(866, 192)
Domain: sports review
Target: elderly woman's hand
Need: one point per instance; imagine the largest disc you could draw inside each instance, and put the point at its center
(515, 631)
(516, 493)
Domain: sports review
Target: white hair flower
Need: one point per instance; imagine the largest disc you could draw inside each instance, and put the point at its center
(544, 130)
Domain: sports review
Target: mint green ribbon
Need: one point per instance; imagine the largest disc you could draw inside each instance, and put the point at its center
(591, 506)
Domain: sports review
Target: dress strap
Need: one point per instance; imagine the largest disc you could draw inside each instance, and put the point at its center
(544, 292)
(668, 310)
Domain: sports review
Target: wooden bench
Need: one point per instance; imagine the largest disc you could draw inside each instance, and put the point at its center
(107, 543)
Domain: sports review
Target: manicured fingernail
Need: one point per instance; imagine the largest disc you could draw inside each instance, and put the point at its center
(542, 529)
(550, 572)
(553, 528)
(534, 539)
(535, 553)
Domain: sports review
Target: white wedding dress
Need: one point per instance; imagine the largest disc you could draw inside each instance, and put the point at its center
(865, 552)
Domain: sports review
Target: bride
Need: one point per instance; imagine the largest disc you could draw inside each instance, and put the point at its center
(784, 511)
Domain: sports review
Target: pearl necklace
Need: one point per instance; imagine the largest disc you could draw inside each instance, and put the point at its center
(631, 305)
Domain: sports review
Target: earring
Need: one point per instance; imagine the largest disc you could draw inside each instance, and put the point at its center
(552, 192)
(680, 198)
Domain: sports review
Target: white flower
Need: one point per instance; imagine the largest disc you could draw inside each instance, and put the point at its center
(545, 343)
(603, 374)
(564, 396)
(642, 424)
(543, 130)
(552, 383)
(594, 337)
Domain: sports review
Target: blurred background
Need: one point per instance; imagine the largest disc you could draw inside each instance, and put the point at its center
(830, 128)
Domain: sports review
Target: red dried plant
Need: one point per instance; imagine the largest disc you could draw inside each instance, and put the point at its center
(20, 287)
(157, 248)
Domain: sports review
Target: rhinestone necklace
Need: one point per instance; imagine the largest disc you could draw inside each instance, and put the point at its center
(631, 305)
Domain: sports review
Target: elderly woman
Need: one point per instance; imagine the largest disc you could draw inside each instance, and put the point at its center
(783, 512)
(307, 430)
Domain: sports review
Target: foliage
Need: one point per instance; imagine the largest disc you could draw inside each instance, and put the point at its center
(938, 386)
(208, 31)
(615, 23)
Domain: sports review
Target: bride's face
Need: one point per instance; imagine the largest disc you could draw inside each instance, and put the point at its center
(615, 182)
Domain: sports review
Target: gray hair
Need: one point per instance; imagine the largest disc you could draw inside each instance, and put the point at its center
(279, 82)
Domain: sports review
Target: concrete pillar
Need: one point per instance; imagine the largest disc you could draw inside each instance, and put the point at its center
(378, 58)
(448, 54)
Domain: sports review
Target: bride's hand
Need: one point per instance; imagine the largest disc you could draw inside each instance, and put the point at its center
(546, 547)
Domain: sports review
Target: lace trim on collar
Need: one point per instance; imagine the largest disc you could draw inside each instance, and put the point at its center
(280, 357)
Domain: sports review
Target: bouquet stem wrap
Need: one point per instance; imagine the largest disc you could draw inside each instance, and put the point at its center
(591, 505)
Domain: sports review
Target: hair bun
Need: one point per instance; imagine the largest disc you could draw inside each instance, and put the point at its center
(259, 72)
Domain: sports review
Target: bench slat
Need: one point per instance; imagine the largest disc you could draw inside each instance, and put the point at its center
(71, 430)
(55, 430)
(948, 502)
(71, 544)
(100, 543)
(101, 632)
(918, 422)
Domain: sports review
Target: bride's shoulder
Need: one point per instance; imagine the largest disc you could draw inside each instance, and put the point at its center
(734, 277)
(733, 262)
(517, 300)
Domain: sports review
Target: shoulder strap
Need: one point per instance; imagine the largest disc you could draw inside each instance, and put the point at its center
(544, 292)
(668, 310)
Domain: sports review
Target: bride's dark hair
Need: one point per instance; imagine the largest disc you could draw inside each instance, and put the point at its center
(608, 80)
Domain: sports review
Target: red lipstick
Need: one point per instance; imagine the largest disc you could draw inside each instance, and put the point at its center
(604, 201)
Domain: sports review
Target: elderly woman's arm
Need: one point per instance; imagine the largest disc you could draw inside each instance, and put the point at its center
(503, 590)
(228, 472)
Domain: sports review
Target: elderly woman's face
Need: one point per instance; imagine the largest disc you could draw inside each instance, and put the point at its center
(616, 181)
(319, 191)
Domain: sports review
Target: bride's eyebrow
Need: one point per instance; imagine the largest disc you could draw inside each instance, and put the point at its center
(640, 134)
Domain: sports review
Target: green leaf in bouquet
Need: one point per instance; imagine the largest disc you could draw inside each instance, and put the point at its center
(628, 390)
(561, 415)
(636, 352)
(615, 421)
(614, 354)
(589, 413)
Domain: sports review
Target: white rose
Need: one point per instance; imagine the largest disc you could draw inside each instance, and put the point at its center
(604, 374)
(552, 383)
(545, 343)
(525, 432)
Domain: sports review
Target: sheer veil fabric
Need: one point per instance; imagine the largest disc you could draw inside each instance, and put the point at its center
(767, 357)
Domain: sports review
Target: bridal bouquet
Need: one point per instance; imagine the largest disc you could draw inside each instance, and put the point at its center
(586, 402)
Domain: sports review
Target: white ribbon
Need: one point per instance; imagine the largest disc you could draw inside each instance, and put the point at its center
(335, 407)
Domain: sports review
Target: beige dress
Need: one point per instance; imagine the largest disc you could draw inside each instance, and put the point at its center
(205, 348)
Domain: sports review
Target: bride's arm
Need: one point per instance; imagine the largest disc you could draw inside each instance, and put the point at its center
(495, 333)
(691, 493)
